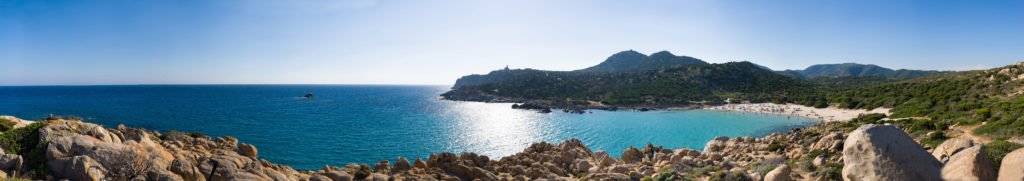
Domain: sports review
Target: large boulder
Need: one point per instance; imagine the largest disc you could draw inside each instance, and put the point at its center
(716, 144)
(1013, 166)
(969, 164)
(950, 147)
(884, 152)
(830, 142)
(401, 164)
(248, 150)
(631, 155)
(780, 173)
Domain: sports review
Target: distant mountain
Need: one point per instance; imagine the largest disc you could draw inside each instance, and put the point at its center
(625, 61)
(854, 70)
(636, 61)
(677, 85)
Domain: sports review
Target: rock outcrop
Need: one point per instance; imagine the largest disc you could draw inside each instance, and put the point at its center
(1012, 167)
(780, 173)
(950, 147)
(884, 152)
(969, 164)
(84, 151)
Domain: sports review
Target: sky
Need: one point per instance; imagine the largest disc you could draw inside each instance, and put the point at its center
(54, 42)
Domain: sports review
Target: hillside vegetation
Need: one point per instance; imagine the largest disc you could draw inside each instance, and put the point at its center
(970, 97)
(666, 86)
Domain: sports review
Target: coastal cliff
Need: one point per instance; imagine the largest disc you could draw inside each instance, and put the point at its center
(63, 148)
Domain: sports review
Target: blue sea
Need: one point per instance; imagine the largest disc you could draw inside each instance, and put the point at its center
(365, 124)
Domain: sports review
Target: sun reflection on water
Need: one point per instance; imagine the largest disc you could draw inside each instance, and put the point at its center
(493, 129)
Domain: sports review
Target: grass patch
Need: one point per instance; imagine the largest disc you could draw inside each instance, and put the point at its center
(998, 149)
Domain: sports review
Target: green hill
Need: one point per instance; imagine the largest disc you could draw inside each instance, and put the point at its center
(970, 97)
(678, 85)
(855, 70)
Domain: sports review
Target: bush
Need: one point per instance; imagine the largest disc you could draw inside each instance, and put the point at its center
(934, 139)
(24, 141)
(998, 149)
(874, 118)
(6, 124)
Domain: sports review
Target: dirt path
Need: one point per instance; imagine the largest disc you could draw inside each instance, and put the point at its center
(965, 132)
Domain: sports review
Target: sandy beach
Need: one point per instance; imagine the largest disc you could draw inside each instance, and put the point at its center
(828, 114)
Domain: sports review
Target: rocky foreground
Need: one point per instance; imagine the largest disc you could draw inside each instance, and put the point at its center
(75, 150)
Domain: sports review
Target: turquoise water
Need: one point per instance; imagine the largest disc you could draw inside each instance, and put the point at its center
(366, 124)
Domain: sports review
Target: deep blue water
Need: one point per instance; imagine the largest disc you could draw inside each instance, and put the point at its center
(366, 124)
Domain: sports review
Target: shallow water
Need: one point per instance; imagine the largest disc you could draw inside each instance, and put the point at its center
(366, 124)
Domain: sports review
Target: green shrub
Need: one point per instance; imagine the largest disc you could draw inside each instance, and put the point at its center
(874, 118)
(6, 124)
(24, 141)
(998, 149)
(811, 133)
(776, 145)
(935, 139)
(666, 176)
(815, 153)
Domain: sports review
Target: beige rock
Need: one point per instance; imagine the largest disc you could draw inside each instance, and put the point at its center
(780, 173)
(631, 155)
(884, 152)
(382, 166)
(609, 177)
(971, 164)
(716, 145)
(248, 150)
(337, 175)
(1012, 168)
(401, 164)
(187, 170)
(380, 177)
(818, 161)
(84, 168)
(950, 147)
(419, 163)
(829, 142)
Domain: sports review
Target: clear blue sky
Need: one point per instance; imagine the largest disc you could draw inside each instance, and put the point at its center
(44, 42)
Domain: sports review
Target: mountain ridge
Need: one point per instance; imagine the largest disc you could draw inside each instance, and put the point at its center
(850, 69)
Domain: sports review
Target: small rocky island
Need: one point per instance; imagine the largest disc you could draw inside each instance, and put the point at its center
(65, 148)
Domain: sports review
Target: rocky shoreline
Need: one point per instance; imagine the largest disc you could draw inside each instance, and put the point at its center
(77, 150)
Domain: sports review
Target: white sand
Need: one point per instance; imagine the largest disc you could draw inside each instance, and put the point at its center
(828, 114)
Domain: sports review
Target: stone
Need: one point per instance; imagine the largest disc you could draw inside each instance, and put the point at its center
(382, 166)
(85, 168)
(829, 142)
(419, 163)
(950, 147)
(716, 145)
(1012, 167)
(969, 164)
(631, 155)
(378, 177)
(401, 164)
(338, 175)
(818, 161)
(583, 166)
(780, 173)
(609, 177)
(248, 150)
(11, 162)
(186, 169)
(884, 152)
